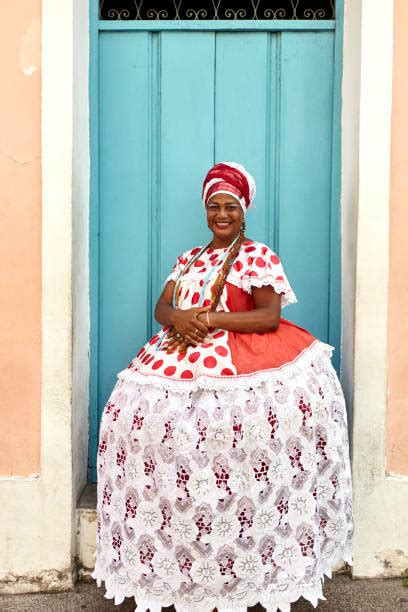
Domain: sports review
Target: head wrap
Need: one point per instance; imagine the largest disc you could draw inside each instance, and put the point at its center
(230, 178)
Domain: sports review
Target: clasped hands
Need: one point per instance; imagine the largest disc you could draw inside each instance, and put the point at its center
(187, 329)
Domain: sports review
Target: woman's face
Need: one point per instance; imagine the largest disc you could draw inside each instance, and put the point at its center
(224, 217)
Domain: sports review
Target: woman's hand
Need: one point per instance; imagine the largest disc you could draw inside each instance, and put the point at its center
(186, 329)
(187, 325)
(175, 342)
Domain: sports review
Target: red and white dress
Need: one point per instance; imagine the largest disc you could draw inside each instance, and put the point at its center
(224, 475)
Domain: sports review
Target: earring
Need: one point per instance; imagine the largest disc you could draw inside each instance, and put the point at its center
(243, 226)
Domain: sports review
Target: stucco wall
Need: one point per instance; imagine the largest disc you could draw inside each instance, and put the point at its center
(397, 421)
(38, 513)
(20, 238)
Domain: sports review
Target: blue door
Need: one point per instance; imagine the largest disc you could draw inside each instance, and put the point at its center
(168, 100)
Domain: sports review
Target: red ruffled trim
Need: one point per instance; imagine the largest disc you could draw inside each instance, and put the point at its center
(255, 352)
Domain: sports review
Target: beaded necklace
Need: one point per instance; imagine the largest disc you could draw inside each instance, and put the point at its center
(219, 283)
(207, 278)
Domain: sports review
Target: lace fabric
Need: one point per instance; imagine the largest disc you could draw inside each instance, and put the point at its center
(225, 496)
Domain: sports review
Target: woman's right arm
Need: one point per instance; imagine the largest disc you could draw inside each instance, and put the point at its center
(163, 312)
(185, 322)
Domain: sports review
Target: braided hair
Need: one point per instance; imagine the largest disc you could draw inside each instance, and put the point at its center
(219, 283)
(221, 279)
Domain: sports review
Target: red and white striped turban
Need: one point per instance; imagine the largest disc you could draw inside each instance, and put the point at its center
(230, 178)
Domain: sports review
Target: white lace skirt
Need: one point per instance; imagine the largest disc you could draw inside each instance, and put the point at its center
(225, 498)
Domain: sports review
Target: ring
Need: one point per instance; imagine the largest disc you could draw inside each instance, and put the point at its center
(196, 331)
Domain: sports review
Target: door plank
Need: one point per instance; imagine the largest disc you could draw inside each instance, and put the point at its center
(123, 202)
(187, 141)
(305, 173)
(244, 116)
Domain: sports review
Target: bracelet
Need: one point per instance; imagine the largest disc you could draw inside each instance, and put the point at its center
(208, 318)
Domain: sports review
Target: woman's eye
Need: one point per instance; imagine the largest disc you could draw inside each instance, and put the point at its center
(230, 207)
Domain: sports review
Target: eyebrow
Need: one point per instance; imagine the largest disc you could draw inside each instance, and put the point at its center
(226, 204)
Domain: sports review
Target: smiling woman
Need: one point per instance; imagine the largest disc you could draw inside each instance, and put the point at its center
(223, 466)
(224, 218)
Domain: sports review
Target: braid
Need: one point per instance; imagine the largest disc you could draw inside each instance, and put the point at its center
(219, 283)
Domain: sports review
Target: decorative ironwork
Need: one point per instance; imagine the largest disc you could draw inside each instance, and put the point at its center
(216, 9)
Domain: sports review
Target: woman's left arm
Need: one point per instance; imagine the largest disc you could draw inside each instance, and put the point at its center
(264, 318)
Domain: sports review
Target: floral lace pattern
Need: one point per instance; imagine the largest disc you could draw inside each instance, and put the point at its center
(225, 497)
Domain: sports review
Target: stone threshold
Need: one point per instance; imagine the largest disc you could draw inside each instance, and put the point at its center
(86, 532)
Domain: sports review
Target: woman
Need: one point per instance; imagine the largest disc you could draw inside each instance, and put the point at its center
(223, 467)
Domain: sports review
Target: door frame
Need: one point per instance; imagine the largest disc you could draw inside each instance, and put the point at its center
(96, 26)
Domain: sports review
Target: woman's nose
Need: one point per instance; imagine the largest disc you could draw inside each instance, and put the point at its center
(223, 212)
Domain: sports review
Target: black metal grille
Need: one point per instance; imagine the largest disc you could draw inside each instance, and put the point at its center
(216, 9)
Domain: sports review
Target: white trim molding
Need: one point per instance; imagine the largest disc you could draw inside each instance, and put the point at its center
(38, 515)
(379, 501)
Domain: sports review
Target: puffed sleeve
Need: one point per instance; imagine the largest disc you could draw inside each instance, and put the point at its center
(181, 263)
(263, 267)
(177, 268)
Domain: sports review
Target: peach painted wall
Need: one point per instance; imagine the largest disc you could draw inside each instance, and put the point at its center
(397, 421)
(20, 238)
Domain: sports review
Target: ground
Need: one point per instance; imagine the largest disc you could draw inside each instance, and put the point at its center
(342, 593)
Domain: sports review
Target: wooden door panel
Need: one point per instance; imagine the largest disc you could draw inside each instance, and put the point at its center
(305, 160)
(123, 271)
